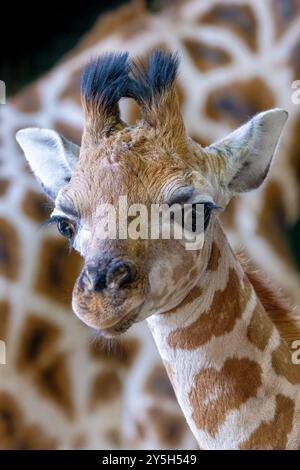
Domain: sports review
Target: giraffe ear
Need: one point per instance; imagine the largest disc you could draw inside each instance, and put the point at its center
(51, 157)
(249, 150)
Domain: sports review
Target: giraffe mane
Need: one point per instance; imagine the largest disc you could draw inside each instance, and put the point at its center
(274, 301)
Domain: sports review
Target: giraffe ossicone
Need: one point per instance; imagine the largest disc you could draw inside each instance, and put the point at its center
(224, 355)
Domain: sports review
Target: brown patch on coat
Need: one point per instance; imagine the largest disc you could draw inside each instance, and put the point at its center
(200, 140)
(39, 359)
(125, 18)
(269, 297)
(272, 435)
(193, 294)
(272, 224)
(236, 382)
(227, 306)
(70, 132)
(36, 343)
(9, 250)
(114, 437)
(158, 384)
(206, 57)
(182, 270)
(106, 388)
(133, 30)
(237, 102)
(215, 257)
(36, 438)
(4, 185)
(16, 432)
(53, 382)
(239, 19)
(294, 60)
(284, 14)
(10, 420)
(275, 305)
(170, 427)
(121, 353)
(28, 100)
(4, 319)
(58, 269)
(260, 328)
(193, 273)
(35, 206)
(79, 442)
(283, 366)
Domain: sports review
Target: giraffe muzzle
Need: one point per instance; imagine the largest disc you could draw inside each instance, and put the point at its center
(118, 274)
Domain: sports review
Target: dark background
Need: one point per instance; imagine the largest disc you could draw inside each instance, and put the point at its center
(34, 36)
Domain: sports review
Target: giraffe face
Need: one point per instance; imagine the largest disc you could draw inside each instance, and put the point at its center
(126, 280)
(155, 162)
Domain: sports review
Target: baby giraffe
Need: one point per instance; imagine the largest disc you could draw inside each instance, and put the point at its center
(231, 370)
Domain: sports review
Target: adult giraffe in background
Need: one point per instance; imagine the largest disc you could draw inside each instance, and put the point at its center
(238, 58)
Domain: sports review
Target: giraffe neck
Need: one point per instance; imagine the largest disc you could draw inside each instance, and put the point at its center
(226, 360)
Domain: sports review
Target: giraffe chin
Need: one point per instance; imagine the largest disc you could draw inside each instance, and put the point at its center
(112, 329)
(120, 327)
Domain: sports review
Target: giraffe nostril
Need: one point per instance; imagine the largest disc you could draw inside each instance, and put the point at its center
(120, 274)
(95, 279)
(116, 275)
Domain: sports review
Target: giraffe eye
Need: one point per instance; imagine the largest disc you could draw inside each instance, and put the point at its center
(208, 207)
(66, 228)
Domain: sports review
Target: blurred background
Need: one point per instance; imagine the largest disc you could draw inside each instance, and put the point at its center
(61, 387)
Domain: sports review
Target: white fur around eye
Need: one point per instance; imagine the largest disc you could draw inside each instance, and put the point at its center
(82, 239)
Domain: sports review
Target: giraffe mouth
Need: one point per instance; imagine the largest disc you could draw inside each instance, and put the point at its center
(121, 326)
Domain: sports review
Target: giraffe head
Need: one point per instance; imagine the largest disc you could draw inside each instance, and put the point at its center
(126, 280)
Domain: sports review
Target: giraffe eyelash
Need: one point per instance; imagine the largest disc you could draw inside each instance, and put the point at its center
(55, 219)
(51, 220)
(210, 205)
(208, 208)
